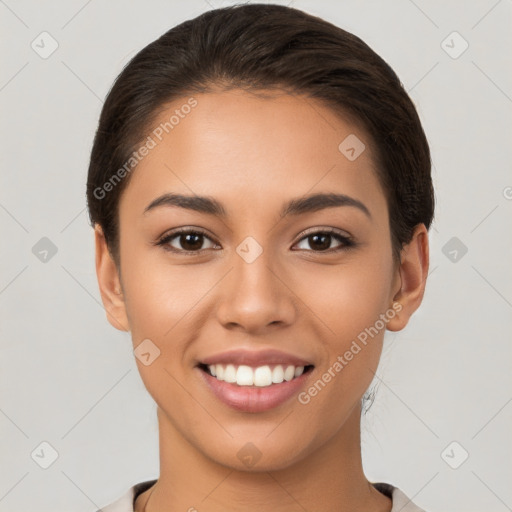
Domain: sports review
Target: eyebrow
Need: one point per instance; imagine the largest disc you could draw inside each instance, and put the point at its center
(297, 206)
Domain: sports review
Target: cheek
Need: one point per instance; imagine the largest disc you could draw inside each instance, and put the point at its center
(350, 298)
(158, 293)
(350, 301)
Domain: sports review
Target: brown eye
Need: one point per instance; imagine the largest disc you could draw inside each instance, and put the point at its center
(320, 241)
(184, 241)
(191, 241)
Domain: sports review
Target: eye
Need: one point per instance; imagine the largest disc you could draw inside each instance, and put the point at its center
(191, 240)
(321, 240)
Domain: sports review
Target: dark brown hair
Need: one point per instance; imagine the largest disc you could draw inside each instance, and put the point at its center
(261, 47)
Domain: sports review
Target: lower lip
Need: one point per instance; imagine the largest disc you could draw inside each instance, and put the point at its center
(253, 398)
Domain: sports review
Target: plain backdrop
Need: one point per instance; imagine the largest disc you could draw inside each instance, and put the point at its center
(440, 425)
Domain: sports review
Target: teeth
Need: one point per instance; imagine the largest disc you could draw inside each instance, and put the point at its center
(289, 373)
(229, 373)
(244, 376)
(277, 375)
(261, 376)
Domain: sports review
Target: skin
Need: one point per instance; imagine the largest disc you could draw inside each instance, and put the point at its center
(253, 154)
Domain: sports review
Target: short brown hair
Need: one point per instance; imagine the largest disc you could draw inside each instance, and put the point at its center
(257, 47)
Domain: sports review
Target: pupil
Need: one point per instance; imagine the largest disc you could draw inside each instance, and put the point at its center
(191, 245)
(326, 239)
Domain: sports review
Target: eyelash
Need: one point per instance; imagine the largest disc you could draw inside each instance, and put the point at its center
(347, 242)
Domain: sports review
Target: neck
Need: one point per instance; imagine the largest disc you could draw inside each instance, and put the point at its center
(330, 478)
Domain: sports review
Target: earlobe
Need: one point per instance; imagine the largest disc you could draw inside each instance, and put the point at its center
(109, 283)
(413, 274)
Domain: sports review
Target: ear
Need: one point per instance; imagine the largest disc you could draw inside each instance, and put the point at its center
(109, 283)
(413, 270)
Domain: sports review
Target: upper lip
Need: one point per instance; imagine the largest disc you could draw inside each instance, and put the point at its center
(255, 358)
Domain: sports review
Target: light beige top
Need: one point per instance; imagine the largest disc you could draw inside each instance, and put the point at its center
(401, 503)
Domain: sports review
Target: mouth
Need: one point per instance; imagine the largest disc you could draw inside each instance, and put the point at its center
(248, 381)
(268, 375)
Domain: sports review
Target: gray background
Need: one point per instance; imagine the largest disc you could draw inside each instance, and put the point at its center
(69, 379)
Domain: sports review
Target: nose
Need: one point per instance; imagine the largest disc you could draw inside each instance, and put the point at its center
(255, 295)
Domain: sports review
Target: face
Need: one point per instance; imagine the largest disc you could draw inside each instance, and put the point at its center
(247, 286)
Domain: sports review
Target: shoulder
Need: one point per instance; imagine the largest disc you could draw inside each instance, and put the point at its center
(125, 502)
(400, 501)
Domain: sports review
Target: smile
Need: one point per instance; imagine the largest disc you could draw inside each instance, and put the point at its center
(256, 388)
(261, 376)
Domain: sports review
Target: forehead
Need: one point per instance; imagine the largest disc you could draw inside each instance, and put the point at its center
(236, 144)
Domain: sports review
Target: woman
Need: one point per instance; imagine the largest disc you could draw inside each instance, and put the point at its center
(261, 195)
